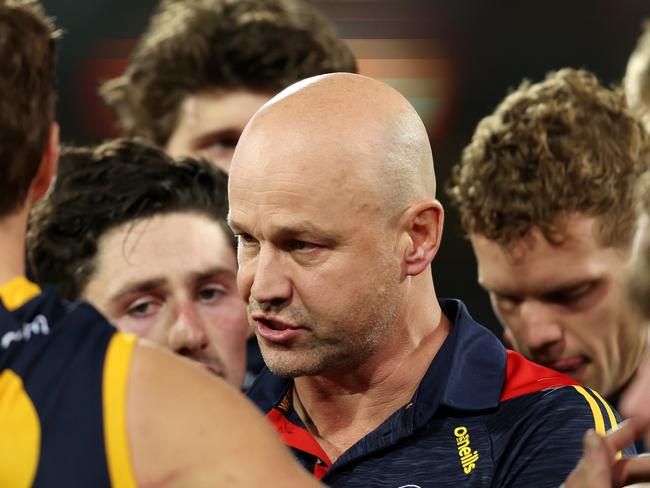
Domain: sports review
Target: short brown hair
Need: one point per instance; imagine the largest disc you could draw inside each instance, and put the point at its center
(100, 188)
(193, 46)
(27, 96)
(639, 269)
(564, 145)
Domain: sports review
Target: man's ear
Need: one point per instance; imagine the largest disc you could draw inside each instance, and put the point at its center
(47, 169)
(508, 338)
(424, 222)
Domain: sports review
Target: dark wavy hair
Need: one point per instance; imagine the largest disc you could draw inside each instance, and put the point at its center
(98, 189)
(194, 46)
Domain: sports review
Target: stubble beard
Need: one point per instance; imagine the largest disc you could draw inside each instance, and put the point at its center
(343, 353)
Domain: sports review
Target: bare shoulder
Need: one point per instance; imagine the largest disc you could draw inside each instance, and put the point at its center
(188, 428)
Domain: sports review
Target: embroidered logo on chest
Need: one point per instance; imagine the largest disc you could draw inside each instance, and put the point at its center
(467, 457)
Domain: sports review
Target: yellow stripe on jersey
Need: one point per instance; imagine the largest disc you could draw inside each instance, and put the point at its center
(20, 442)
(18, 292)
(599, 421)
(610, 413)
(116, 376)
(613, 424)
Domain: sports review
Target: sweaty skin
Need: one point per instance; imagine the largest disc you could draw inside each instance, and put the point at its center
(335, 245)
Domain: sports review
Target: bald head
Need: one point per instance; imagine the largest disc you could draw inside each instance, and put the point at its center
(332, 198)
(352, 127)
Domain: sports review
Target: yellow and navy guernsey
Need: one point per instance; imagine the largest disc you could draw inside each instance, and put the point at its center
(482, 416)
(63, 379)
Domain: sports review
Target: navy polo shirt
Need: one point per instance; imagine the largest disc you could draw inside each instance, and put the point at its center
(481, 416)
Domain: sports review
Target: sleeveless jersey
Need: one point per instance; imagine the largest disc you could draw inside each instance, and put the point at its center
(63, 380)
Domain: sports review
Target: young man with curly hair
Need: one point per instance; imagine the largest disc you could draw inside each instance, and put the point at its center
(145, 240)
(204, 67)
(545, 193)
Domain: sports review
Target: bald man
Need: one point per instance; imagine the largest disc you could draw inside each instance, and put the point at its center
(371, 380)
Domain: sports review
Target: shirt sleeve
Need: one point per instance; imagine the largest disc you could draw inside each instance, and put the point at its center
(543, 441)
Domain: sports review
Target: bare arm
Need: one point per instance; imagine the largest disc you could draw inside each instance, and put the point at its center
(190, 429)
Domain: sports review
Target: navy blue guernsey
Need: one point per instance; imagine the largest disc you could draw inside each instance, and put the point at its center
(482, 416)
(63, 374)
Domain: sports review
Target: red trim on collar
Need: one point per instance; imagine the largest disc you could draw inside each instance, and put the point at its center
(524, 376)
(299, 438)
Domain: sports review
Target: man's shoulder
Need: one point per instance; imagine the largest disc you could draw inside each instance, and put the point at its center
(537, 395)
(49, 349)
(525, 377)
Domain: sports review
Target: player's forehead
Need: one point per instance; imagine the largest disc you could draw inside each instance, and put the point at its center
(535, 266)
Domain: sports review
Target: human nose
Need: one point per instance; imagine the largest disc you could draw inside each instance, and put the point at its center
(541, 330)
(187, 334)
(267, 277)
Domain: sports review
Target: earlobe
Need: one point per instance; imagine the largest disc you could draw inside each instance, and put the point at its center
(508, 338)
(47, 168)
(424, 230)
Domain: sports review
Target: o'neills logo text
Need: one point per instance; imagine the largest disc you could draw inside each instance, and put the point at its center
(467, 457)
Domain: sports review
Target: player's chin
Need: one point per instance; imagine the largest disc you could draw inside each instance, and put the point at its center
(295, 363)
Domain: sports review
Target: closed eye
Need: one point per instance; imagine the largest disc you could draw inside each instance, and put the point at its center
(571, 296)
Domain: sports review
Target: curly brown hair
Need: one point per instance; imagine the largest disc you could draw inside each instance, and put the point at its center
(192, 46)
(100, 188)
(639, 269)
(564, 145)
(27, 96)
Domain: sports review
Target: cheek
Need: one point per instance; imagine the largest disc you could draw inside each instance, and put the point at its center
(227, 321)
(151, 328)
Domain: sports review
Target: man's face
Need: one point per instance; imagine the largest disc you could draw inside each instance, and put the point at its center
(563, 305)
(172, 279)
(210, 123)
(316, 257)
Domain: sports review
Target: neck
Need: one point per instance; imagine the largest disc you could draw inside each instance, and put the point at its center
(12, 245)
(340, 409)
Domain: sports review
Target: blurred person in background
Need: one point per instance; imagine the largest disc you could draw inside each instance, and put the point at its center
(204, 67)
(637, 77)
(599, 467)
(545, 194)
(82, 404)
(145, 240)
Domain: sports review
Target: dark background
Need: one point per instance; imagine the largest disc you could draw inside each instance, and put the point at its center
(454, 59)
